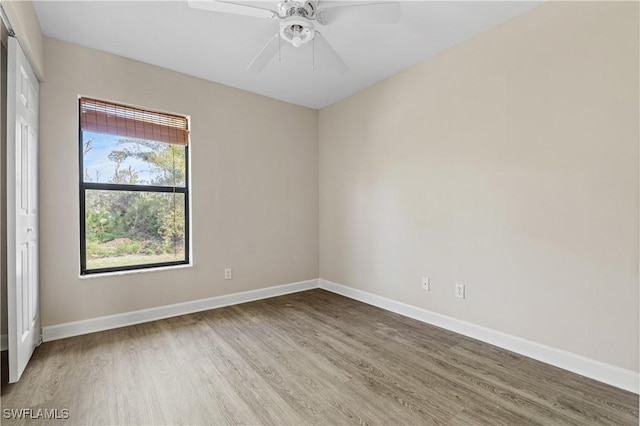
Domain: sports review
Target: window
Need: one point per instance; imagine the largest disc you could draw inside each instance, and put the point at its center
(134, 192)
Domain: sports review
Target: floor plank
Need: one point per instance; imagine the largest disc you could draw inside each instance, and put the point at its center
(306, 358)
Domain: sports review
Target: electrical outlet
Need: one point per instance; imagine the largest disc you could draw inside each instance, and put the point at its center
(228, 274)
(425, 284)
(460, 291)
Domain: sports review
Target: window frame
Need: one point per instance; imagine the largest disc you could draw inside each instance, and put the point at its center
(84, 186)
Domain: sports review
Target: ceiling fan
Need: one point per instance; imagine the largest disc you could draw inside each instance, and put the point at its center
(299, 21)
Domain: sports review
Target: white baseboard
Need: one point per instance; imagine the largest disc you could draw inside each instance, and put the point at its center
(612, 375)
(609, 374)
(4, 342)
(76, 328)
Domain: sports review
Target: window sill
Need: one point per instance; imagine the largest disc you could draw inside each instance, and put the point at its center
(134, 271)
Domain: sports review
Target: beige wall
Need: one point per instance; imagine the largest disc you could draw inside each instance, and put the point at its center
(508, 163)
(25, 23)
(254, 194)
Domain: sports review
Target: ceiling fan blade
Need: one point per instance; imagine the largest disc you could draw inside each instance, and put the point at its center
(266, 54)
(328, 55)
(233, 8)
(369, 13)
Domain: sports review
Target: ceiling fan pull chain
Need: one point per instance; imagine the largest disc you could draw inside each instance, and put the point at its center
(313, 54)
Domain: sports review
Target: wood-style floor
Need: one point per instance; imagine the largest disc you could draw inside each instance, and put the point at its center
(306, 358)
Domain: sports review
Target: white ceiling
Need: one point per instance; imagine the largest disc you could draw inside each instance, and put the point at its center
(218, 47)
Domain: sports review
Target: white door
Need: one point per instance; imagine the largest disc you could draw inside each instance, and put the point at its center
(22, 210)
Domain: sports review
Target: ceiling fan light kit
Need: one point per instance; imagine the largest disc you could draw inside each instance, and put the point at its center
(297, 30)
(297, 23)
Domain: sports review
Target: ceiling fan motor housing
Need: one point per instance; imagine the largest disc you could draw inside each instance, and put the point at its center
(306, 9)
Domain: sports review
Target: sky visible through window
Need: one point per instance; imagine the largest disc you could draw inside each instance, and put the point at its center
(99, 168)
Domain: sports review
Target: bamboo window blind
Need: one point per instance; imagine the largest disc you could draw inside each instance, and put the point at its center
(120, 120)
